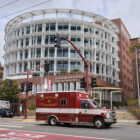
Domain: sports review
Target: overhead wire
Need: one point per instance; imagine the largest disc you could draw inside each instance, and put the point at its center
(9, 3)
(25, 9)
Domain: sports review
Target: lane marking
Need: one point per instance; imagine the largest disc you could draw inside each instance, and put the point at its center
(11, 126)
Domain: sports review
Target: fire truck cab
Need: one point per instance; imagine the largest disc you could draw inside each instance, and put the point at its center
(71, 107)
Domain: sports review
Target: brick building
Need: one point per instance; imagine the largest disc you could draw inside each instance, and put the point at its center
(133, 56)
(125, 63)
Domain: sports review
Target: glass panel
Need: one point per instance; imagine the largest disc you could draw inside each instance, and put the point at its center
(46, 52)
(51, 52)
(37, 65)
(47, 39)
(27, 29)
(52, 37)
(39, 27)
(38, 53)
(25, 66)
(65, 52)
(27, 41)
(59, 65)
(52, 26)
(65, 65)
(59, 52)
(47, 27)
(26, 54)
(39, 38)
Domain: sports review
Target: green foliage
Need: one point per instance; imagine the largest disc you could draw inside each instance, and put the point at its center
(32, 103)
(75, 70)
(132, 48)
(63, 71)
(133, 103)
(7, 92)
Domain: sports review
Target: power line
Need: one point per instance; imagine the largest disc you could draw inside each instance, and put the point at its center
(25, 9)
(9, 3)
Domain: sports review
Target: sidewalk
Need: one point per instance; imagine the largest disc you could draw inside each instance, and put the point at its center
(31, 119)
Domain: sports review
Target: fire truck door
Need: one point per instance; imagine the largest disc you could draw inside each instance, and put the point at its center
(85, 112)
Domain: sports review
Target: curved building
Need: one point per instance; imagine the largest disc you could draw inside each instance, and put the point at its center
(30, 42)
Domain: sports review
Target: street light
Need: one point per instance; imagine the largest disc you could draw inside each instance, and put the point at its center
(137, 51)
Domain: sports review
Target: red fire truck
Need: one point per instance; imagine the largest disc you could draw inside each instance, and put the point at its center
(71, 107)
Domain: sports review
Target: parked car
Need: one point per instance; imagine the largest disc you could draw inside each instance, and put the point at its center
(6, 113)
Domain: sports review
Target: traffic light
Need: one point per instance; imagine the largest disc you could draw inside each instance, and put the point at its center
(30, 86)
(46, 67)
(93, 82)
(22, 85)
(82, 83)
(10, 83)
(57, 41)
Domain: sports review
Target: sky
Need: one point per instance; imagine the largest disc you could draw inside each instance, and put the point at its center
(127, 10)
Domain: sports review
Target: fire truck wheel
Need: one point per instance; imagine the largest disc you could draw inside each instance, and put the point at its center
(53, 121)
(98, 123)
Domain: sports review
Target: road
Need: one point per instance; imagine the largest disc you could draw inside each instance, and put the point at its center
(117, 132)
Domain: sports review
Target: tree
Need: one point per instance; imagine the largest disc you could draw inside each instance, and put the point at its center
(9, 92)
(75, 70)
(132, 48)
(63, 71)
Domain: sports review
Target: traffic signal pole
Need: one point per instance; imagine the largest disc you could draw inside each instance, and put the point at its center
(86, 62)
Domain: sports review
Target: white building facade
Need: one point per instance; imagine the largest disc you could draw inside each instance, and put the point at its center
(30, 43)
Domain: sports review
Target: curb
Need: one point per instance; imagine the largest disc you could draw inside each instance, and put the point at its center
(21, 120)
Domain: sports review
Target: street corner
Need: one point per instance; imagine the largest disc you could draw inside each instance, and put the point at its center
(23, 135)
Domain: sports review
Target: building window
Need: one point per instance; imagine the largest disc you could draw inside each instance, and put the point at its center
(51, 52)
(86, 30)
(38, 52)
(97, 56)
(72, 65)
(32, 53)
(97, 68)
(39, 27)
(52, 37)
(47, 39)
(28, 30)
(26, 54)
(37, 65)
(22, 31)
(39, 38)
(27, 41)
(21, 54)
(62, 64)
(86, 42)
(51, 65)
(63, 26)
(85, 54)
(25, 66)
(75, 27)
(63, 102)
(62, 86)
(52, 26)
(20, 67)
(74, 86)
(46, 52)
(56, 87)
(21, 42)
(59, 52)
